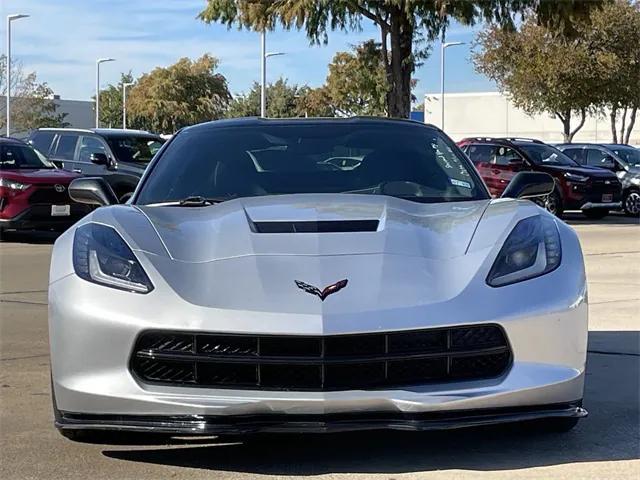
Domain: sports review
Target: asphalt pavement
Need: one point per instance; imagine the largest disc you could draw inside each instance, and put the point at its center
(606, 445)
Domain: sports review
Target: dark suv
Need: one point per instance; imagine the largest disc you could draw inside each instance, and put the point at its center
(623, 160)
(593, 190)
(119, 156)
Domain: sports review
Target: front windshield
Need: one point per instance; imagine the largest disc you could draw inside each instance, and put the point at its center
(629, 155)
(130, 148)
(21, 156)
(402, 160)
(541, 154)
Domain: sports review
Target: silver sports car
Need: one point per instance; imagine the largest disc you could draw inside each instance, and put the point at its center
(315, 275)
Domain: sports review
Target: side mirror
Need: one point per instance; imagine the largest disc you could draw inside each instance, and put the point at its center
(529, 184)
(93, 191)
(608, 162)
(99, 159)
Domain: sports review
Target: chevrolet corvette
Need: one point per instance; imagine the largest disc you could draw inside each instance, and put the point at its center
(315, 275)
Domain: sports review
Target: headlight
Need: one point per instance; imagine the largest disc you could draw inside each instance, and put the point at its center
(13, 185)
(531, 249)
(100, 255)
(572, 177)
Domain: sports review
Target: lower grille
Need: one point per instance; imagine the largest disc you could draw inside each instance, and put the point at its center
(47, 194)
(321, 363)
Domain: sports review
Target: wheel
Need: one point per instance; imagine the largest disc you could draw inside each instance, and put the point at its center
(596, 213)
(553, 204)
(553, 424)
(631, 203)
(124, 198)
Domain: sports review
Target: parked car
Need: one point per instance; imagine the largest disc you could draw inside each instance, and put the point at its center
(593, 190)
(119, 156)
(33, 192)
(623, 160)
(250, 286)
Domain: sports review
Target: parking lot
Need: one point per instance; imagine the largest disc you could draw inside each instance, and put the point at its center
(605, 445)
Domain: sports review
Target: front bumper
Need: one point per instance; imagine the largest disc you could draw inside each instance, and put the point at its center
(601, 206)
(248, 424)
(37, 217)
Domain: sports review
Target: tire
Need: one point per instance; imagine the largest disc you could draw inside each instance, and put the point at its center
(631, 203)
(596, 213)
(553, 204)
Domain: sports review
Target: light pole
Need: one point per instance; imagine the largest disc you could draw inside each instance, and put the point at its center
(443, 46)
(10, 18)
(263, 72)
(124, 103)
(98, 62)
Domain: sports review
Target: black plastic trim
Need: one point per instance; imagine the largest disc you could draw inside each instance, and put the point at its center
(321, 423)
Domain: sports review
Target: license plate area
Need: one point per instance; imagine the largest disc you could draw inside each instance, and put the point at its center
(60, 210)
(607, 198)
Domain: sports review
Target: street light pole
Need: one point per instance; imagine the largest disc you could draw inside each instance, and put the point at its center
(98, 62)
(263, 72)
(124, 103)
(443, 46)
(10, 18)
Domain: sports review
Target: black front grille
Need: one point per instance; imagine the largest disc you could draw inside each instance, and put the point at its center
(47, 194)
(321, 363)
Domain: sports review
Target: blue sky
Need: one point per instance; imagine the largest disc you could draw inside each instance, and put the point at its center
(63, 38)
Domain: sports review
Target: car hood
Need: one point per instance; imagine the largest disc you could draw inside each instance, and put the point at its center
(417, 254)
(594, 172)
(39, 176)
(375, 224)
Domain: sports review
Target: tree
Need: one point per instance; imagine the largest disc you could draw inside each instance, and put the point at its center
(282, 101)
(356, 83)
(569, 74)
(400, 24)
(111, 102)
(32, 104)
(615, 37)
(541, 70)
(188, 92)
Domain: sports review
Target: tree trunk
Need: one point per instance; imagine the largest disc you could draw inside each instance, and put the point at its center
(612, 117)
(566, 125)
(624, 123)
(583, 118)
(632, 122)
(402, 64)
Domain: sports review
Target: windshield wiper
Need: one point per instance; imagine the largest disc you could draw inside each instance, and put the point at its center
(192, 201)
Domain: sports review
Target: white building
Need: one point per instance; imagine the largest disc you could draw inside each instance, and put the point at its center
(491, 114)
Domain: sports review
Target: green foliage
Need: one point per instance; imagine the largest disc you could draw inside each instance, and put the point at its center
(111, 102)
(31, 101)
(188, 92)
(400, 23)
(282, 101)
(357, 83)
(546, 69)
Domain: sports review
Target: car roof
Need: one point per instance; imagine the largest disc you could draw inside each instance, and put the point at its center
(506, 141)
(11, 141)
(104, 132)
(259, 121)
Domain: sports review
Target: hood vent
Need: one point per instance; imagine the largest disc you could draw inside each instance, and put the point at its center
(322, 226)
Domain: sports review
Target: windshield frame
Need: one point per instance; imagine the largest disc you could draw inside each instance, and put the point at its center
(560, 153)
(45, 163)
(615, 148)
(112, 140)
(482, 190)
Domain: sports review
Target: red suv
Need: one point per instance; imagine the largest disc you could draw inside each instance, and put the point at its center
(33, 192)
(593, 190)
